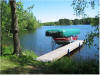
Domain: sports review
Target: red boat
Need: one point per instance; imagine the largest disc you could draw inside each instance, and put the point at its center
(65, 39)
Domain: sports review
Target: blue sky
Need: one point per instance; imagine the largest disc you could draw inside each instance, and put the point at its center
(53, 10)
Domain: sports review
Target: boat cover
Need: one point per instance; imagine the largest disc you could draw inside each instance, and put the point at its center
(62, 32)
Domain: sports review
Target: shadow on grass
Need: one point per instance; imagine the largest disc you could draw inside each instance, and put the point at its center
(67, 66)
(26, 64)
(21, 70)
(62, 66)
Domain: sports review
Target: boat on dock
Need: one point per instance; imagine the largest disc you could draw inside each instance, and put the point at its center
(63, 36)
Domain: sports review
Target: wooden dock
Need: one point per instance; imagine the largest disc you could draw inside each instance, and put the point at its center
(60, 52)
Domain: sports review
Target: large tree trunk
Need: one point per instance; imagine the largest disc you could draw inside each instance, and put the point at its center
(14, 28)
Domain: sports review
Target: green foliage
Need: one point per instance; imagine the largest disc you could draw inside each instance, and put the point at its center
(26, 20)
(6, 63)
(76, 21)
(95, 21)
(80, 6)
(71, 22)
(29, 53)
(64, 22)
(5, 16)
(67, 66)
(7, 50)
(10, 62)
(91, 37)
(25, 64)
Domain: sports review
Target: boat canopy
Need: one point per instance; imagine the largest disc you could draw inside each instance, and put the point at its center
(62, 32)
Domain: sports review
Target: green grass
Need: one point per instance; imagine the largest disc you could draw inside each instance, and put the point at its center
(7, 50)
(29, 53)
(6, 63)
(11, 62)
(68, 66)
(25, 64)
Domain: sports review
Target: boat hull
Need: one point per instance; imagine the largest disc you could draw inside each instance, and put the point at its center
(65, 40)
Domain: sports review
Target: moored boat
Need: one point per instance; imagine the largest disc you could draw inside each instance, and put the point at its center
(63, 36)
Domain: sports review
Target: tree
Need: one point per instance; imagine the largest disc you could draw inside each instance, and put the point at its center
(14, 28)
(5, 17)
(95, 21)
(79, 7)
(76, 21)
(64, 21)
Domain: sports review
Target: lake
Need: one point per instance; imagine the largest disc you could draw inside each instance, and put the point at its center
(41, 44)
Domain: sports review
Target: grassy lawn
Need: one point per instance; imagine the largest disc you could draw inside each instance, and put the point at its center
(25, 64)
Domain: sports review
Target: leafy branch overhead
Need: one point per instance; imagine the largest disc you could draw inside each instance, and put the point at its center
(80, 6)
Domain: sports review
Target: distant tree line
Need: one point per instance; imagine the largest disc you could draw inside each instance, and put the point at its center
(92, 21)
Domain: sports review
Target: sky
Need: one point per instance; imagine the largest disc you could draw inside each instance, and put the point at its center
(53, 10)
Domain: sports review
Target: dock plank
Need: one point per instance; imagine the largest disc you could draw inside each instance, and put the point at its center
(60, 52)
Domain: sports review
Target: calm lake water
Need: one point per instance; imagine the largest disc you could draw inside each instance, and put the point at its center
(41, 44)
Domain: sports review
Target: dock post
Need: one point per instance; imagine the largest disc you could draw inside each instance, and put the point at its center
(68, 52)
(79, 47)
